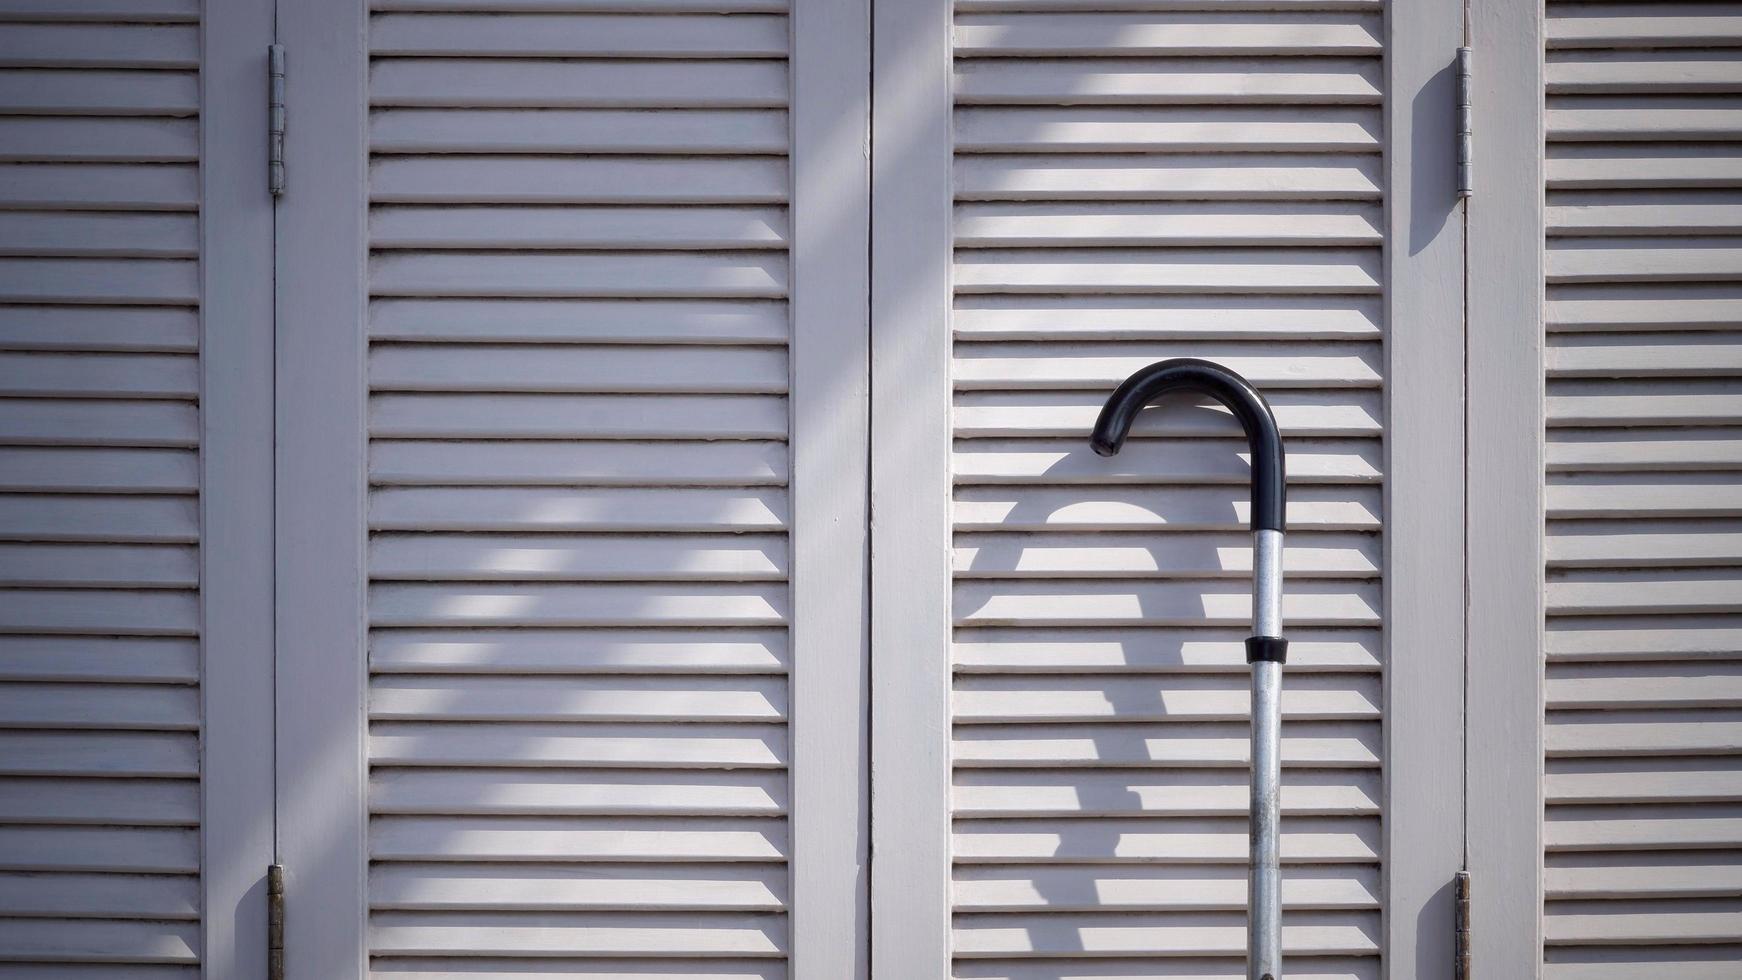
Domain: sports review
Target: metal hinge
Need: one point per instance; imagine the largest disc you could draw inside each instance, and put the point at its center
(1466, 126)
(275, 119)
(275, 922)
(1461, 938)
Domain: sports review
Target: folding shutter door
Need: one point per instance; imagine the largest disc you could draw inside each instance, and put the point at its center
(1130, 185)
(1644, 571)
(599, 424)
(100, 514)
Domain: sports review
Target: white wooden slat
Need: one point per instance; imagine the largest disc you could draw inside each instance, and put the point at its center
(101, 139)
(89, 375)
(679, 36)
(1221, 317)
(150, 707)
(146, 519)
(43, 233)
(478, 557)
(1062, 6)
(1320, 406)
(1642, 450)
(533, 699)
(577, 180)
(580, 934)
(1310, 840)
(520, 888)
(1600, 686)
(1646, 591)
(1304, 744)
(652, 604)
(413, 367)
(468, 83)
(1158, 508)
(158, 897)
(575, 839)
(1099, 367)
(1347, 129)
(117, 942)
(63, 422)
(1121, 33)
(1641, 25)
(1155, 461)
(1642, 638)
(115, 11)
(569, 746)
(1072, 967)
(1129, 651)
(1576, 166)
(34, 91)
(1577, 213)
(1643, 404)
(101, 186)
(478, 415)
(1624, 876)
(1174, 934)
(1110, 175)
(1242, 271)
(140, 850)
(1061, 225)
(980, 793)
(1626, 734)
(1641, 72)
(528, 793)
(564, 464)
(76, 470)
(1165, 81)
(134, 802)
(604, 509)
(594, 321)
(98, 566)
(1614, 781)
(1642, 260)
(1204, 697)
(663, 274)
(74, 280)
(1580, 121)
(583, 6)
(125, 754)
(1683, 306)
(1617, 355)
(518, 968)
(566, 652)
(121, 328)
(139, 660)
(573, 228)
(99, 611)
(99, 46)
(1089, 889)
(1642, 544)
(1616, 924)
(1688, 495)
(551, 131)
(1178, 555)
(1183, 602)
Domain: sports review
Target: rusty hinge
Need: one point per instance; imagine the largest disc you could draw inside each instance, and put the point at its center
(1461, 938)
(275, 119)
(275, 922)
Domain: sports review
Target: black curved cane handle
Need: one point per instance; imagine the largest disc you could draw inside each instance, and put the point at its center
(1269, 492)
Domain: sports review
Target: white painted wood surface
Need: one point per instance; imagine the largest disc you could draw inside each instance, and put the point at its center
(1135, 184)
(1643, 575)
(100, 512)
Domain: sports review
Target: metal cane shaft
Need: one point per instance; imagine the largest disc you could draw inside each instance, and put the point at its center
(1264, 917)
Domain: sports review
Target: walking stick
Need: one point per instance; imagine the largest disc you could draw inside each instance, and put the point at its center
(1265, 649)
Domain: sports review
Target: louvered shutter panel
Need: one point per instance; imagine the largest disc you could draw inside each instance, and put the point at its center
(99, 477)
(1137, 182)
(579, 491)
(1644, 556)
